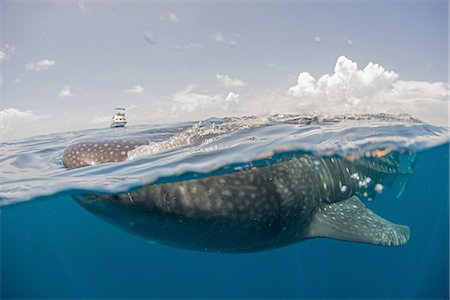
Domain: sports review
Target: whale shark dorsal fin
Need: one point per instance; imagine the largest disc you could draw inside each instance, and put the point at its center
(351, 220)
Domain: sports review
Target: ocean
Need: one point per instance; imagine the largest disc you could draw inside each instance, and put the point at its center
(51, 247)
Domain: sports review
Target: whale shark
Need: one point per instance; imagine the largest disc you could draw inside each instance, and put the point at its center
(253, 209)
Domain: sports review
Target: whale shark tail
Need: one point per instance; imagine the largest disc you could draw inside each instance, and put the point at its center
(351, 220)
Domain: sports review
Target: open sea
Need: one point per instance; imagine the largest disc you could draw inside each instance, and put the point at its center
(51, 247)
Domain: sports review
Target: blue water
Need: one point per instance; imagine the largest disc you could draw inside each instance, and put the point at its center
(53, 248)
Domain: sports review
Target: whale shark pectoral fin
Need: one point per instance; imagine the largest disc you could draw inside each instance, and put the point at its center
(351, 220)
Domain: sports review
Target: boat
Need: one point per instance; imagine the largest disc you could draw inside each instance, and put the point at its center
(118, 120)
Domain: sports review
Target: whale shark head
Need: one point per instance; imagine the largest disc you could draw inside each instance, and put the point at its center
(94, 152)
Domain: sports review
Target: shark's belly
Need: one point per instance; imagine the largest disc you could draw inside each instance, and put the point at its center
(237, 212)
(251, 210)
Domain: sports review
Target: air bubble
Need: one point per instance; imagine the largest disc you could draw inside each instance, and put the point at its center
(379, 188)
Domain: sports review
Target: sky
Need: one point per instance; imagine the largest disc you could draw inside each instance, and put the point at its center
(65, 65)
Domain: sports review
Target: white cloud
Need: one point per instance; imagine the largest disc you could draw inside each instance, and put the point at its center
(150, 38)
(317, 39)
(9, 114)
(189, 101)
(13, 120)
(6, 51)
(17, 81)
(347, 84)
(65, 92)
(348, 41)
(137, 89)
(170, 17)
(218, 36)
(232, 97)
(40, 65)
(3, 55)
(370, 90)
(230, 82)
(233, 44)
(188, 47)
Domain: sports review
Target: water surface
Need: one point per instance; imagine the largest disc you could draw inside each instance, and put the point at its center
(52, 248)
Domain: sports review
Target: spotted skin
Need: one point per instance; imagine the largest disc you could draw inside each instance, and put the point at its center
(346, 222)
(89, 153)
(251, 210)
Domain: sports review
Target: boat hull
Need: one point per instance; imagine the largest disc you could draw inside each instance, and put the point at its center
(117, 124)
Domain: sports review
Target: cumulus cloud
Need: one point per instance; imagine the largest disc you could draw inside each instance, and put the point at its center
(372, 89)
(137, 89)
(187, 47)
(169, 17)
(150, 38)
(65, 92)
(17, 81)
(230, 82)
(233, 44)
(218, 36)
(3, 55)
(40, 65)
(347, 85)
(317, 39)
(189, 101)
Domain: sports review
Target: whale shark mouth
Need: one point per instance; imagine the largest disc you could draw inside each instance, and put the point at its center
(351, 220)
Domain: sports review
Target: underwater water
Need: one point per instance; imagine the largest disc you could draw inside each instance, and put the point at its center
(53, 248)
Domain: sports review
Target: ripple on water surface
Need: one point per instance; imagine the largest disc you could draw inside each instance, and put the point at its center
(32, 167)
